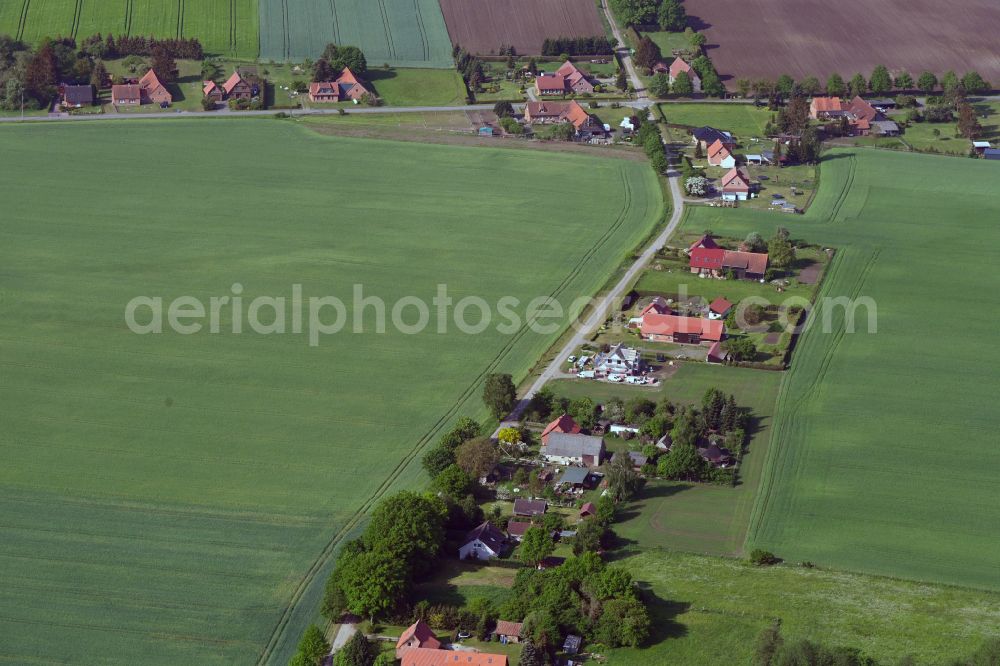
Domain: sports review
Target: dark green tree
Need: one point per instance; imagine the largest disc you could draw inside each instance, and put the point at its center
(974, 83)
(835, 86)
(858, 84)
(623, 623)
(499, 394)
(536, 545)
(683, 463)
(454, 482)
(741, 348)
(785, 85)
(372, 581)
(437, 460)
(530, 655)
(358, 651)
(671, 16)
(589, 537)
(904, 81)
(503, 109)
(881, 81)
(659, 85)
(162, 62)
(927, 82)
(647, 53)
(410, 526)
(584, 412)
(623, 481)
(313, 646)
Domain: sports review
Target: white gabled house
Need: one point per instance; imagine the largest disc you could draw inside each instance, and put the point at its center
(620, 360)
(483, 543)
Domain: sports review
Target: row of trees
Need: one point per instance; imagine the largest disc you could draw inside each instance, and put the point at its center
(335, 58)
(599, 45)
(109, 47)
(880, 83)
(470, 67)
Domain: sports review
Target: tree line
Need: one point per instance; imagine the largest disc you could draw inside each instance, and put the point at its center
(572, 46)
(667, 15)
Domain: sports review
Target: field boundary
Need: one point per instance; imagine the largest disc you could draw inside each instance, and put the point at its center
(327, 552)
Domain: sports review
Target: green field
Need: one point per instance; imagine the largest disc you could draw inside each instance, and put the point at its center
(224, 27)
(701, 518)
(176, 498)
(743, 120)
(884, 457)
(403, 33)
(710, 610)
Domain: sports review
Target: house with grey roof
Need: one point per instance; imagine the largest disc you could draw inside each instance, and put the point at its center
(619, 360)
(483, 543)
(567, 449)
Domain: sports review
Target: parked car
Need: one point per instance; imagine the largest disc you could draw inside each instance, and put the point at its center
(572, 359)
(635, 380)
(616, 378)
(586, 374)
(462, 635)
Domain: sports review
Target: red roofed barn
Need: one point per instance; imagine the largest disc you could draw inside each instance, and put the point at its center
(417, 635)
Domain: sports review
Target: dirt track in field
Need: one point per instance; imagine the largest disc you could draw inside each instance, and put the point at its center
(767, 38)
(482, 26)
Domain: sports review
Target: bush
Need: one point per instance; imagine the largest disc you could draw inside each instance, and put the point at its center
(762, 558)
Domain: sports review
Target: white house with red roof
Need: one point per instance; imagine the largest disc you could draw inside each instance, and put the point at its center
(564, 424)
(719, 308)
(417, 635)
(736, 185)
(719, 155)
(680, 65)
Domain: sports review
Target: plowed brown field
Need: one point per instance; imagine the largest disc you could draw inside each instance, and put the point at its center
(767, 38)
(482, 26)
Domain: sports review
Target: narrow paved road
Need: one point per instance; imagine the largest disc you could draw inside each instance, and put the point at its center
(625, 55)
(344, 634)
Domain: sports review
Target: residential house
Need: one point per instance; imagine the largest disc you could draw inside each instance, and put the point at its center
(153, 90)
(346, 87)
(126, 94)
(745, 265)
(719, 308)
(530, 508)
(564, 423)
(418, 635)
(508, 632)
(885, 128)
(517, 528)
(706, 136)
(826, 107)
(236, 87)
(883, 105)
(545, 113)
(706, 242)
(981, 146)
(861, 115)
(212, 91)
(736, 185)
(717, 354)
(550, 84)
(679, 65)
(428, 657)
(716, 455)
(575, 80)
(564, 449)
(483, 543)
(681, 330)
(719, 155)
(77, 96)
(588, 510)
(619, 360)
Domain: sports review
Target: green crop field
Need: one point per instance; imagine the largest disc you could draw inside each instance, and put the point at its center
(169, 498)
(709, 610)
(224, 27)
(402, 33)
(885, 455)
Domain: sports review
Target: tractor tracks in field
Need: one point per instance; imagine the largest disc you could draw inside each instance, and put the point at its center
(390, 45)
(790, 405)
(77, 13)
(180, 18)
(470, 390)
(128, 17)
(22, 20)
(422, 30)
(232, 25)
(336, 22)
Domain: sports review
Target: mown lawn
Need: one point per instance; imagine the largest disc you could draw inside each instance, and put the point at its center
(418, 87)
(164, 496)
(870, 466)
(743, 120)
(710, 610)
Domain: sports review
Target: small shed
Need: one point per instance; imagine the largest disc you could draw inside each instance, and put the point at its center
(575, 477)
(588, 510)
(508, 632)
(572, 644)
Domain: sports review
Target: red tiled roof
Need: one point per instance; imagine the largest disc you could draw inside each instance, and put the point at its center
(425, 657)
(720, 306)
(422, 632)
(232, 82)
(751, 262)
(564, 423)
(209, 86)
(126, 91)
(705, 241)
(710, 258)
(588, 509)
(827, 104)
(678, 66)
(505, 628)
(708, 329)
(550, 82)
(735, 181)
(516, 528)
(861, 109)
(658, 305)
(570, 73)
(717, 352)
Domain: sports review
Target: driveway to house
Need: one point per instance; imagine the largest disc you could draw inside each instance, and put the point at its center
(625, 55)
(344, 634)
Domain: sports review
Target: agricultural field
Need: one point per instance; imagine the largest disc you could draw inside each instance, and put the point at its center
(224, 27)
(710, 610)
(694, 517)
(170, 498)
(402, 33)
(483, 27)
(869, 468)
(766, 40)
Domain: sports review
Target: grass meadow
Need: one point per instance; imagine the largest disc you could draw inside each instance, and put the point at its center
(171, 498)
(710, 610)
(402, 33)
(743, 120)
(884, 453)
(224, 27)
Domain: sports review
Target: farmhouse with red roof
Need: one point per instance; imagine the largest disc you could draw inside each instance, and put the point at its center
(153, 91)
(716, 261)
(212, 91)
(126, 94)
(345, 87)
(719, 308)
(826, 107)
(719, 155)
(236, 87)
(679, 65)
(428, 657)
(564, 424)
(682, 330)
(736, 185)
(568, 79)
(417, 635)
(547, 113)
